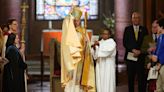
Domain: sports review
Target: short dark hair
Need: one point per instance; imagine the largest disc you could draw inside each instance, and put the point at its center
(161, 22)
(5, 26)
(108, 30)
(10, 21)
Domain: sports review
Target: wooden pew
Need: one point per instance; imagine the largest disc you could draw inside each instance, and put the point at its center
(55, 84)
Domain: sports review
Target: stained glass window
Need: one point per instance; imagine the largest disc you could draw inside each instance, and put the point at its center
(58, 9)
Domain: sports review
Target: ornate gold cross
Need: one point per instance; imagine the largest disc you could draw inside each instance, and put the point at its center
(24, 6)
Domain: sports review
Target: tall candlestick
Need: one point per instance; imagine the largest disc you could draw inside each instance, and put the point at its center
(24, 6)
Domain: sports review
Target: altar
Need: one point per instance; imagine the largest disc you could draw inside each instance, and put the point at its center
(49, 34)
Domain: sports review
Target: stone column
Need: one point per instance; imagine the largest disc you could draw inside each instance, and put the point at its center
(123, 17)
(10, 9)
(14, 9)
(148, 13)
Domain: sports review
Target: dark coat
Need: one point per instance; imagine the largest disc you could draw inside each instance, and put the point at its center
(13, 77)
(129, 40)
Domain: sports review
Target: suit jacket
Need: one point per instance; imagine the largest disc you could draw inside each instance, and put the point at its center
(160, 49)
(129, 40)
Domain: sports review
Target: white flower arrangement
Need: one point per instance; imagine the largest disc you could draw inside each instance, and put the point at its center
(109, 22)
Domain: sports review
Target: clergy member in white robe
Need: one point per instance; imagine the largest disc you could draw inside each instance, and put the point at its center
(104, 52)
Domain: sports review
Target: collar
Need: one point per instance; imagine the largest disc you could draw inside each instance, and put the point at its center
(136, 26)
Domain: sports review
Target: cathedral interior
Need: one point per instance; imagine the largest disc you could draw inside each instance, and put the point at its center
(43, 34)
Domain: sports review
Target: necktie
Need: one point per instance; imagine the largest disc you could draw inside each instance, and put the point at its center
(155, 37)
(136, 33)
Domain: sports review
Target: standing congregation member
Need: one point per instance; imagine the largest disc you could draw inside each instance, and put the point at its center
(13, 28)
(3, 60)
(5, 28)
(148, 49)
(159, 56)
(132, 41)
(105, 52)
(77, 67)
(13, 78)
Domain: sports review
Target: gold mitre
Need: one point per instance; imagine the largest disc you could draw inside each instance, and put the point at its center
(76, 13)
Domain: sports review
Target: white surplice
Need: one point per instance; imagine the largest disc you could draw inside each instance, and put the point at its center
(105, 65)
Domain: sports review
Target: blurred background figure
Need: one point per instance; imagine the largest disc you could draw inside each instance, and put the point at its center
(159, 55)
(5, 29)
(148, 49)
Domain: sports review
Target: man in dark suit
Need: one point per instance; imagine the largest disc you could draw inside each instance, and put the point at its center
(132, 41)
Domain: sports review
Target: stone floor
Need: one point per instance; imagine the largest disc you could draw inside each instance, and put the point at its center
(35, 86)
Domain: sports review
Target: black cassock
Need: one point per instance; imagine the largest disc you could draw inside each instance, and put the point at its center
(13, 77)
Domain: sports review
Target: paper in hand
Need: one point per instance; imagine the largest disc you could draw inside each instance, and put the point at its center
(94, 38)
(130, 56)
